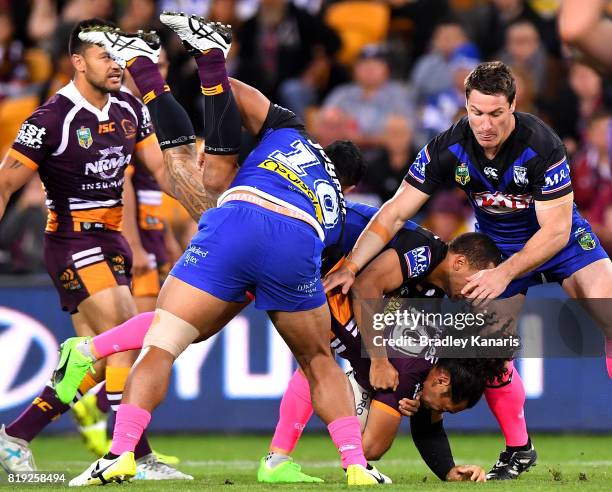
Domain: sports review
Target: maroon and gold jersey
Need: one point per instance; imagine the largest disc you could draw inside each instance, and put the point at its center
(81, 153)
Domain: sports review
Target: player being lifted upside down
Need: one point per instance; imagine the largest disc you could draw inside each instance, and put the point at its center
(279, 209)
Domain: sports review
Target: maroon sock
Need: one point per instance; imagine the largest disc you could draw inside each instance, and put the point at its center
(102, 400)
(45, 408)
(212, 71)
(147, 78)
(142, 448)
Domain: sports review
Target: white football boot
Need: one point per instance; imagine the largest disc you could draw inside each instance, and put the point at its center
(104, 471)
(123, 47)
(150, 468)
(197, 33)
(15, 454)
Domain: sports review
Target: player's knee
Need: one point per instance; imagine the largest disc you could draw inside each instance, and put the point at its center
(170, 333)
(316, 365)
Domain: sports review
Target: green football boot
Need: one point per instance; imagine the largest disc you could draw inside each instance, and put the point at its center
(70, 370)
(286, 472)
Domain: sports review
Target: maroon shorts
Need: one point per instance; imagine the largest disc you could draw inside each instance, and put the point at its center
(148, 285)
(83, 263)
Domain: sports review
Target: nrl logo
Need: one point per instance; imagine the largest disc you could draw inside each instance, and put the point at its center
(462, 174)
(520, 176)
(84, 136)
(586, 241)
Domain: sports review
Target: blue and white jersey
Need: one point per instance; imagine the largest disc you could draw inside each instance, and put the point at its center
(290, 169)
(532, 165)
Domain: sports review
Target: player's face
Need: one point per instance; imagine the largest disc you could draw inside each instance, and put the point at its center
(100, 70)
(491, 118)
(436, 393)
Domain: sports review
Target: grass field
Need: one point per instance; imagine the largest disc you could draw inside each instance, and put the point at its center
(566, 463)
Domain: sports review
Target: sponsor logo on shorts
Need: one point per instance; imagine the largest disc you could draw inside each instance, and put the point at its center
(309, 288)
(193, 255)
(70, 280)
(31, 135)
(462, 174)
(128, 128)
(118, 262)
(84, 137)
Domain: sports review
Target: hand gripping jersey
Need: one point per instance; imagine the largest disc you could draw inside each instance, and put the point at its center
(289, 169)
(419, 252)
(81, 153)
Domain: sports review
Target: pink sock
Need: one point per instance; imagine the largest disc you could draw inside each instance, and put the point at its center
(346, 434)
(126, 336)
(609, 356)
(295, 412)
(506, 402)
(130, 423)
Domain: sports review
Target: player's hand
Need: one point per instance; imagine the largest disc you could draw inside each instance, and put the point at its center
(343, 277)
(409, 407)
(465, 473)
(140, 261)
(486, 285)
(383, 375)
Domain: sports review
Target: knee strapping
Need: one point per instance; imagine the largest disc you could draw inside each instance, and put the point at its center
(170, 333)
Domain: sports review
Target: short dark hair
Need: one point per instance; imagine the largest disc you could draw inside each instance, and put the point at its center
(491, 78)
(348, 161)
(469, 377)
(75, 45)
(478, 248)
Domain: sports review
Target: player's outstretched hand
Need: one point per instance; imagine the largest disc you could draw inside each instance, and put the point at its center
(343, 277)
(409, 407)
(383, 375)
(465, 473)
(486, 285)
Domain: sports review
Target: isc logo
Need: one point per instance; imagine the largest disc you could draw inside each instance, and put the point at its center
(106, 127)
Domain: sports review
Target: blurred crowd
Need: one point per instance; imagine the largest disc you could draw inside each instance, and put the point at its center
(385, 74)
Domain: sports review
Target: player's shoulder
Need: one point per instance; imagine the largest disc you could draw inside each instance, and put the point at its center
(124, 94)
(459, 132)
(536, 134)
(53, 109)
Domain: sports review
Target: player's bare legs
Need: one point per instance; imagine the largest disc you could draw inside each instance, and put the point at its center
(332, 397)
(203, 311)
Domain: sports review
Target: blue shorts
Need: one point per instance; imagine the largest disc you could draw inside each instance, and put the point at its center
(242, 247)
(582, 249)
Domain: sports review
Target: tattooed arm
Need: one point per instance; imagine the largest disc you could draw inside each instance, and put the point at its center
(176, 171)
(13, 175)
